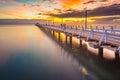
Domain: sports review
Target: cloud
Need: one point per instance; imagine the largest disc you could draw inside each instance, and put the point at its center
(59, 8)
(88, 2)
(105, 11)
(93, 1)
(9, 3)
(101, 11)
(66, 4)
(102, 0)
(107, 20)
(11, 14)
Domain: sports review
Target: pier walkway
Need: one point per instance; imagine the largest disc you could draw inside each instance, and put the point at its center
(102, 36)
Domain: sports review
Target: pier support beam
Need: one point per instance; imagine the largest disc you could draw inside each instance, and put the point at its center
(49, 30)
(100, 52)
(70, 40)
(66, 38)
(59, 34)
(117, 54)
(80, 42)
(53, 33)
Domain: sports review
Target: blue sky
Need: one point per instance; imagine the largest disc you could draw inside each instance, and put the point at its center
(28, 1)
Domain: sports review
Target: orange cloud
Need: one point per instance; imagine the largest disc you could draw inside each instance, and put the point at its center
(14, 15)
(22, 11)
(67, 4)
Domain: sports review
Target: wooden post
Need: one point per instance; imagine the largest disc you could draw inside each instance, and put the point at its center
(53, 33)
(80, 42)
(70, 40)
(49, 30)
(100, 52)
(66, 38)
(116, 55)
(59, 36)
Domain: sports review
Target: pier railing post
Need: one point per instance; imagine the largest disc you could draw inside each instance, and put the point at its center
(112, 30)
(81, 32)
(76, 29)
(90, 34)
(97, 28)
(104, 36)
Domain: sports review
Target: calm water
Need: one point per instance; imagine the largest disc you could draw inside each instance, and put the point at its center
(27, 53)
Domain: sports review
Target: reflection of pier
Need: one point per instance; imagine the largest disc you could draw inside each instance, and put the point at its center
(109, 37)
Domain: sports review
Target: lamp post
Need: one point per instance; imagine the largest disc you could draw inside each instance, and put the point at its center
(53, 19)
(62, 20)
(86, 18)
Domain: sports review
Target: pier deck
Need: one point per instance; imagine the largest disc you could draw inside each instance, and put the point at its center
(101, 36)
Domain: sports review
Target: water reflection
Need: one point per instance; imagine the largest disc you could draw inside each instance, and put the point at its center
(27, 53)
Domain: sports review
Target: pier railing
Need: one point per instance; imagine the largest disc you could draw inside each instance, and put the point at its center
(102, 36)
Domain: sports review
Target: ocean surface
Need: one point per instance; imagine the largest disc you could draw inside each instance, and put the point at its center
(29, 53)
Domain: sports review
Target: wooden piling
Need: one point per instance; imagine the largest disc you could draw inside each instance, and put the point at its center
(100, 52)
(117, 55)
(70, 40)
(66, 39)
(80, 42)
(59, 36)
(53, 33)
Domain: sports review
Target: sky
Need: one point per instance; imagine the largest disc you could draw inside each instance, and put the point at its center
(99, 11)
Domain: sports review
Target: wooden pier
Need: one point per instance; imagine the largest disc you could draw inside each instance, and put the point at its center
(110, 37)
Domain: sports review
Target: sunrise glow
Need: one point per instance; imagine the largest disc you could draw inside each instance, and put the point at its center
(69, 10)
